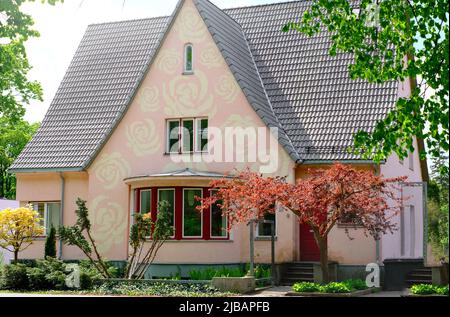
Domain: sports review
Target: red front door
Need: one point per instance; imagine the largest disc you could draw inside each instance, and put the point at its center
(309, 251)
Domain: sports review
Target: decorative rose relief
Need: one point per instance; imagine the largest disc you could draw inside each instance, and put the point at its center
(211, 57)
(227, 88)
(190, 26)
(111, 169)
(149, 99)
(169, 61)
(188, 96)
(143, 138)
(110, 222)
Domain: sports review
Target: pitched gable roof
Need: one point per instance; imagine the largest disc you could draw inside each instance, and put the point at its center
(231, 41)
(310, 95)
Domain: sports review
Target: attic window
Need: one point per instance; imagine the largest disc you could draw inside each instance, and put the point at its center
(188, 59)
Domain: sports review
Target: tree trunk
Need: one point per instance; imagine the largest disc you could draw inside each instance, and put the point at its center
(16, 256)
(323, 247)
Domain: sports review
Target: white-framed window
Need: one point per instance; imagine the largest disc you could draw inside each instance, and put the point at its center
(187, 135)
(168, 194)
(173, 136)
(264, 229)
(50, 214)
(201, 139)
(188, 58)
(219, 222)
(192, 218)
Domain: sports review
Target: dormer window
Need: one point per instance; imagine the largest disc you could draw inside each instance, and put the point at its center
(188, 59)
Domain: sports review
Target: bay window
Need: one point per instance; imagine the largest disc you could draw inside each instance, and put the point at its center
(169, 196)
(219, 225)
(192, 218)
(187, 221)
(50, 214)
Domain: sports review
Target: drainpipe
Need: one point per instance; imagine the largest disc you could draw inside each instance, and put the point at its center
(61, 215)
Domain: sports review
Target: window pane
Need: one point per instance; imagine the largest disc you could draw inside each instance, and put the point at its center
(174, 135)
(218, 222)
(53, 216)
(145, 201)
(202, 135)
(188, 136)
(264, 228)
(188, 58)
(169, 196)
(192, 221)
(40, 208)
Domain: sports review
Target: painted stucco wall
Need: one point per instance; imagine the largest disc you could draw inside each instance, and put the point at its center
(46, 187)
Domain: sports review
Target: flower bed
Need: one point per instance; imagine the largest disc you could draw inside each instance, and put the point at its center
(345, 288)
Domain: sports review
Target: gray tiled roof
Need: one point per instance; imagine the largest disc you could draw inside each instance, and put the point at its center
(310, 93)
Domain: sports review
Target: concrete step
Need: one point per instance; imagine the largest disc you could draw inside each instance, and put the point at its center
(299, 274)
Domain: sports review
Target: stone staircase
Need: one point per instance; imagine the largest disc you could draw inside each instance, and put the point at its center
(419, 276)
(298, 272)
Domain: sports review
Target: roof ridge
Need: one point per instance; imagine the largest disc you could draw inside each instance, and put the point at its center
(264, 5)
(223, 9)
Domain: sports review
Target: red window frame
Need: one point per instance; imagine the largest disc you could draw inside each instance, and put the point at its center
(206, 214)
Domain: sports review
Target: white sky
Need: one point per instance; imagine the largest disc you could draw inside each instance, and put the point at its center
(62, 27)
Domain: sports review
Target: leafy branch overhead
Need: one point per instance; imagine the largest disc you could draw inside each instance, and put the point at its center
(16, 89)
(393, 40)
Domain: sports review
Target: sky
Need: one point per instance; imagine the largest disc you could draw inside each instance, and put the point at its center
(63, 25)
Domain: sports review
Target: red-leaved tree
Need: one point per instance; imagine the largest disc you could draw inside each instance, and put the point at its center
(340, 193)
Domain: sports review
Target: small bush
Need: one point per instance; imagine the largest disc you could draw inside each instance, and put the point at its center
(427, 289)
(306, 287)
(336, 287)
(89, 275)
(356, 284)
(442, 290)
(15, 277)
(36, 279)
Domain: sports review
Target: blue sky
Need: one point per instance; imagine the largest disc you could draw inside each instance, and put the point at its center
(62, 27)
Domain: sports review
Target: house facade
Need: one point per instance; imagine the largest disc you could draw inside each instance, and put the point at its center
(155, 109)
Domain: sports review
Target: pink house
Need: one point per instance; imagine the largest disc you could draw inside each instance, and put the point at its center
(138, 115)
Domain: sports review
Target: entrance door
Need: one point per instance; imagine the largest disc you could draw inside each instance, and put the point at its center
(309, 251)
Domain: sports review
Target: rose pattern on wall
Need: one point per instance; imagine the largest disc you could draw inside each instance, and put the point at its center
(188, 96)
(227, 88)
(143, 137)
(169, 61)
(211, 57)
(149, 99)
(190, 26)
(110, 222)
(111, 169)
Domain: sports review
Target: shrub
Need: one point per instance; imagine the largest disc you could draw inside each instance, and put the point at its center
(306, 287)
(442, 290)
(336, 287)
(36, 279)
(210, 273)
(89, 275)
(15, 277)
(50, 243)
(356, 284)
(427, 289)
